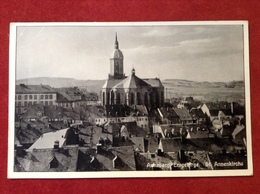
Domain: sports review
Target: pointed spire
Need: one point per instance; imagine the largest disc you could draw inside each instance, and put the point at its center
(133, 71)
(116, 43)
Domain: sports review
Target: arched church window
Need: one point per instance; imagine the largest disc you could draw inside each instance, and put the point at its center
(104, 98)
(112, 97)
(162, 98)
(108, 98)
(152, 99)
(132, 98)
(157, 99)
(138, 98)
(118, 100)
(146, 99)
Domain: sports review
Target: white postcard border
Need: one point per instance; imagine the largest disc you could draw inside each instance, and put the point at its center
(124, 174)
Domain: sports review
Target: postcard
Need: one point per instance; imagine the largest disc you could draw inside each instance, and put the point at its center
(129, 99)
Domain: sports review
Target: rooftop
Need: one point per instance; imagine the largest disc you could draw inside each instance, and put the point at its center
(183, 113)
(47, 140)
(33, 89)
(47, 160)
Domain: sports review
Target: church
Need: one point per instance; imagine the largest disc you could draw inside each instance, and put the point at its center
(130, 90)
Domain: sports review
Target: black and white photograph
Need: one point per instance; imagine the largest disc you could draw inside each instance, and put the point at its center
(129, 99)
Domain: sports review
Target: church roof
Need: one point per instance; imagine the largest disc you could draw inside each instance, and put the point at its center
(154, 82)
(111, 82)
(132, 81)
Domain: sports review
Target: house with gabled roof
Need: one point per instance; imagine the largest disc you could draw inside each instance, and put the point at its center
(170, 145)
(47, 160)
(184, 115)
(73, 97)
(239, 135)
(168, 115)
(107, 159)
(198, 116)
(124, 114)
(27, 95)
(61, 137)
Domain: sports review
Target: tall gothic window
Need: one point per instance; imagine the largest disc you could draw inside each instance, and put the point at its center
(152, 99)
(138, 98)
(108, 98)
(132, 98)
(146, 102)
(112, 97)
(157, 99)
(118, 100)
(104, 98)
(162, 98)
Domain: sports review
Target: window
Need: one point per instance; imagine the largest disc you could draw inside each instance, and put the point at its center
(35, 97)
(29, 103)
(19, 97)
(30, 97)
(50, 96)
(25, 103)
(19, 104)
(46, 102)
(51, 103)
(46, 96)
(42, 97)
(41, 102)
(26, 97)
(35, 102)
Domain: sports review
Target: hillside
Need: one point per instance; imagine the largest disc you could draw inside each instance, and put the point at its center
(174, 88)
(89, 85)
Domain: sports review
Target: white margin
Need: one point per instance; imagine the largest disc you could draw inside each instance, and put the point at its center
(124, 174)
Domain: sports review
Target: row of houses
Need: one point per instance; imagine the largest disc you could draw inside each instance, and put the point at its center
(183, 116)
(61, 151)
(28, 95)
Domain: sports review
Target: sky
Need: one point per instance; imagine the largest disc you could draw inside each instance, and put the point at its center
(191, 52)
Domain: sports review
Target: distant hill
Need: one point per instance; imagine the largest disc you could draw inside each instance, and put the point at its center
(89, 85)
(204, 84)
(174, 87)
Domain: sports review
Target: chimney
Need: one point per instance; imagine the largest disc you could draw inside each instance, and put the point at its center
(101, 141)
(116, 161)
(19, 150)
(232, 107)
(56, 145)
(99, 148)
(159, 152)
(181, 156)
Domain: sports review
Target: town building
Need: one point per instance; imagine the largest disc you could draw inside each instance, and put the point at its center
(124, 114)
(47, 160)
(27, 95)
(73, 97)
(131, 90)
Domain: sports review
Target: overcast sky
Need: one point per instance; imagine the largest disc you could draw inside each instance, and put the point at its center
(192, 52)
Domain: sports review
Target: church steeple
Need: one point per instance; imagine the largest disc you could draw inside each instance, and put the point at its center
(116, 43)
(117, 63)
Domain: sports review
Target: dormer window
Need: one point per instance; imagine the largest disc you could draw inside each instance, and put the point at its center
(54, 163)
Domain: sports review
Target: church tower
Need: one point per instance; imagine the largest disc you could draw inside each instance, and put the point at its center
(116, 63)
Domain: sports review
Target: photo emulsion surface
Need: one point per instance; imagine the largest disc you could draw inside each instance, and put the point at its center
(129, 100)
